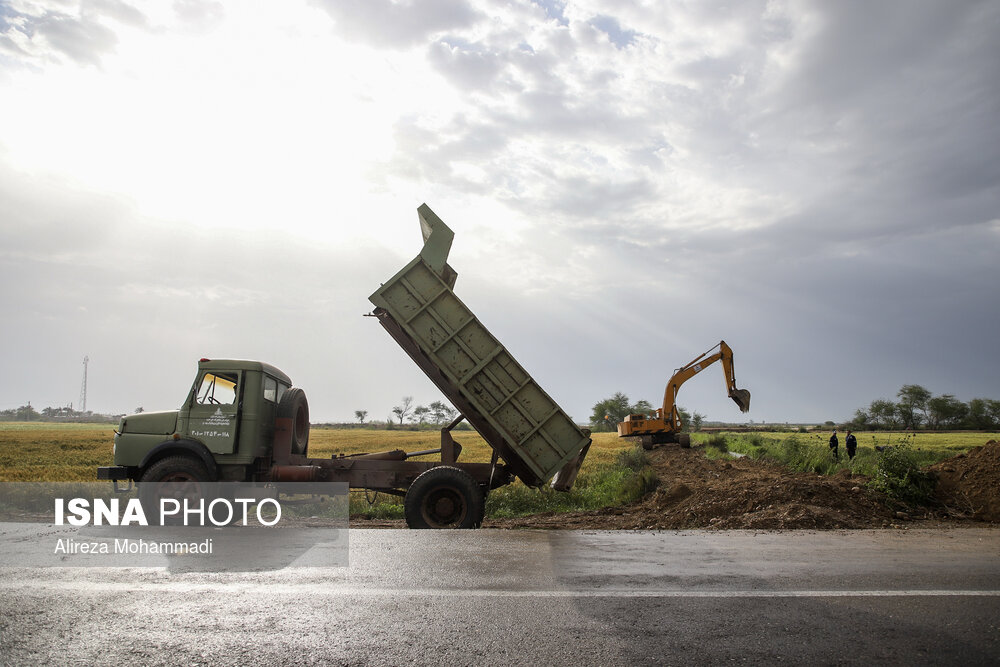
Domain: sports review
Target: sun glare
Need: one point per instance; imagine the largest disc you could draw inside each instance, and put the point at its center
(248, 125)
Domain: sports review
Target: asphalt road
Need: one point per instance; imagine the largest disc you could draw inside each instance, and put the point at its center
(536, 597)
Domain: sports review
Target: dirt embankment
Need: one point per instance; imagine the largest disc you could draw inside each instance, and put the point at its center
(696, 492)
(969, 484)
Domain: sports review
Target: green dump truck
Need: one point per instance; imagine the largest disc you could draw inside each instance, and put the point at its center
(244, 421)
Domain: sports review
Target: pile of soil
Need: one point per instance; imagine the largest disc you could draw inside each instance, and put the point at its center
(696, 492)
(968, 485)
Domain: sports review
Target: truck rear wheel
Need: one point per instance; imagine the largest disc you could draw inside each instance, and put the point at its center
(294, 406)
(178, 477)
(444, 497)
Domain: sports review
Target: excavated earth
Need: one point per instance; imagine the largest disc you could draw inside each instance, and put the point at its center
(969, 484)
(696, 492)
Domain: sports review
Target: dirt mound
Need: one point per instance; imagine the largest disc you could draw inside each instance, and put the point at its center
(969, 484)
(696, 492)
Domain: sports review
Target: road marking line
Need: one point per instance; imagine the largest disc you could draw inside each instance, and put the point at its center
(315, 589)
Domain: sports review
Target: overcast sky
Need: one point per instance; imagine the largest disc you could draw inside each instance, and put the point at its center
(817, 183)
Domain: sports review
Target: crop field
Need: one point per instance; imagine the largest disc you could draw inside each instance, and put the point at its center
(45, 452)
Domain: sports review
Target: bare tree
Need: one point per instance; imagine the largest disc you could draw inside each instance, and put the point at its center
(403, 411)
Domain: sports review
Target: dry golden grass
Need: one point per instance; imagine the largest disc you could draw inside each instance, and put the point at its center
(326, 442)
(45, 452)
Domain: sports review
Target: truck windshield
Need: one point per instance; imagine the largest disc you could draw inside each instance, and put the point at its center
(217, 389)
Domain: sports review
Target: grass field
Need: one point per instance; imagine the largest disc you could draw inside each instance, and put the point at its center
(612, 473)
(811, 452)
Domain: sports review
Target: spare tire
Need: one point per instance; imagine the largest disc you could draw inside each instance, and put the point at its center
(294, 406)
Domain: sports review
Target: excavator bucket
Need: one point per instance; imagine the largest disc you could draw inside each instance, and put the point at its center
(742, 398)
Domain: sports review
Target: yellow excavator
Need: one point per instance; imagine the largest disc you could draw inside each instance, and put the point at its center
(665, 427)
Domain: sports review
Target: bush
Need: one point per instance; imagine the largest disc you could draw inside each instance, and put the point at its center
(898, 475)
(628, 479)
(719, 442)
(634, 459)
(638, 485)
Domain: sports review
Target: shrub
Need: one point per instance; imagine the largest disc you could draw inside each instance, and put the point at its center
(719, 442)
(634, 459)
(638, 485)
(898, 475)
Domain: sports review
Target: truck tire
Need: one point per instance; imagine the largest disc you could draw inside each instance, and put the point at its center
(294, 406)
(176, 477)
(444, 497)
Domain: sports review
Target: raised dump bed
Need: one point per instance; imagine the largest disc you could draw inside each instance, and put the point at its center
(522, 424)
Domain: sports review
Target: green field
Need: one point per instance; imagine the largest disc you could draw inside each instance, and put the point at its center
(810, 451)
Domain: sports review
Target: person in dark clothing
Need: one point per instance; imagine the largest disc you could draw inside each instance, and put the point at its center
(852, 444)
(834, 444)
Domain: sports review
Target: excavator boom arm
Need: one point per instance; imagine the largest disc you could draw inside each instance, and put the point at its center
(740, 396)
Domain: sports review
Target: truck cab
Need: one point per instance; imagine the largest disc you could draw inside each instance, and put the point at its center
(226, 424)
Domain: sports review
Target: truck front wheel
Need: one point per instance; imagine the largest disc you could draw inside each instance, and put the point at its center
(444, 497)
(177, 477)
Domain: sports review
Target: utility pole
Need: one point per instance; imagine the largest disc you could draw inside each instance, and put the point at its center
(83, 386)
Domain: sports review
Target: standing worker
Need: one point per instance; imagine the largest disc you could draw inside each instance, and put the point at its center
(852, 444)
(834, 443)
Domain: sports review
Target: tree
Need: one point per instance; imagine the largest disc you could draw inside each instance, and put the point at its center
(860, 420)
(607, 413)
(882, 413)
(26, 413)
(685, 417)
(642, 407)
(403, 411)
(442, 412)
(696, 420)
(420, 413)
(912, 397)
(946, 411)
(360, 415)
(610, 411)
(984, 414)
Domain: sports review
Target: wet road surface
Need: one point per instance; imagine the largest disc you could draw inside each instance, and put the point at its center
(536, 597)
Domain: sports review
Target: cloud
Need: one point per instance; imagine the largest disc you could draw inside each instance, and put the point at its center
(618, 36)
(32, 33)
(202, 14)
(718, 122)
(396, 24)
